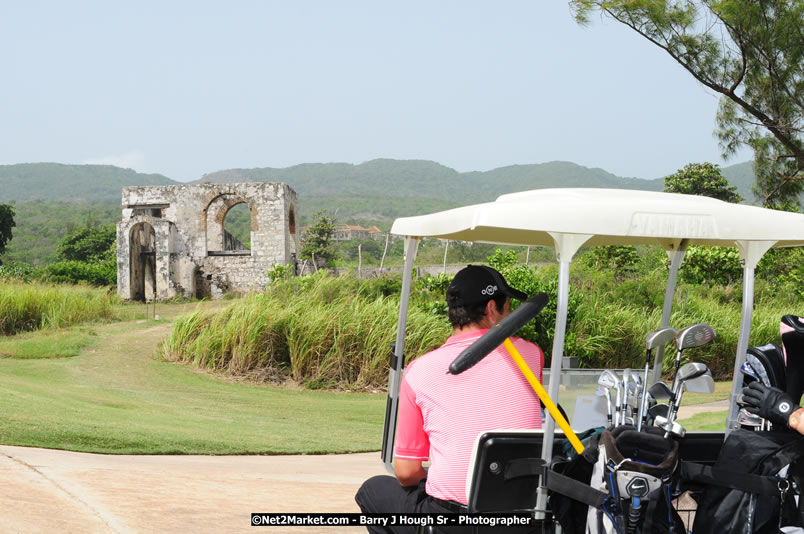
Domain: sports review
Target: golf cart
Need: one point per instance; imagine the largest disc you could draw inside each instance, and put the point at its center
(567, 219)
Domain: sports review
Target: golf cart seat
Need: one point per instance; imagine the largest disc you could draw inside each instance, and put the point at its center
(504, 477)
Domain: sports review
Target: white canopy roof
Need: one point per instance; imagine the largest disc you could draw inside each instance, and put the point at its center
(610, 216)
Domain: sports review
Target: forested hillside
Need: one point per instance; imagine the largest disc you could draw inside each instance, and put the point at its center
(90, 184)
(50, 199)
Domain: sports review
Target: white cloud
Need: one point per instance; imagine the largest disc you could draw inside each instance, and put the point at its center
(134, 159)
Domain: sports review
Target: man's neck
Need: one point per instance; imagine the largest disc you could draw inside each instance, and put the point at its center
(471, 328)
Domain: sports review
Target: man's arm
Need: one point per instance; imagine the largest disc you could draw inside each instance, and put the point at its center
(409, 472)
(796, 421)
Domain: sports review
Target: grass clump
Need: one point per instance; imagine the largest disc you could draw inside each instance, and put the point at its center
(25, 307)
(320, 331)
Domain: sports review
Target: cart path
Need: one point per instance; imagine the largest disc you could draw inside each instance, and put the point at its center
(59, 491)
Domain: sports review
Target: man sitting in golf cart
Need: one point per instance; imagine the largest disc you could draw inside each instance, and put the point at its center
(441, 414)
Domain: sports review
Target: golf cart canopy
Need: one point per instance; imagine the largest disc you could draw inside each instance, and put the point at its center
(567, 219)
(608, 217)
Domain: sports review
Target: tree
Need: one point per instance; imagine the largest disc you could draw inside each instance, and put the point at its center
(6, 224)
(317, 241)
(751, 52)
(90, 244)
(703, 179)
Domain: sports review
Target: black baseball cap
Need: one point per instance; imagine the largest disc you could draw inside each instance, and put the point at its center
(476, 283)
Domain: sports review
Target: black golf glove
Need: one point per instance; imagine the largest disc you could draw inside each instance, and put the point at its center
(769, 403)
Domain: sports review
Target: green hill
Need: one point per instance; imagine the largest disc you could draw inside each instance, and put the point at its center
(87, 184)
(414, 178)
(52, 198)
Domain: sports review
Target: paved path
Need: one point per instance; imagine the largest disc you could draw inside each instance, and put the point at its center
(49, 491)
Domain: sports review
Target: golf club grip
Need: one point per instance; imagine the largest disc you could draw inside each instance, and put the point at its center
(495, 336)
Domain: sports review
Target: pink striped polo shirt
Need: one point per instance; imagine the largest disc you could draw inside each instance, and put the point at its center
(440, 414)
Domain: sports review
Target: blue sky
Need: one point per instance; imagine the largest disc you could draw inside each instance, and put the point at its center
(187, 88)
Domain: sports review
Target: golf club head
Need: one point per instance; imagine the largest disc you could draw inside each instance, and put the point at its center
(691, 370)
(624, 400)
(748, 419)
(658, 410)
(673, 428)
(608, 379)
(660, 391)
(696, 335)
(702, 384)
(660, 338)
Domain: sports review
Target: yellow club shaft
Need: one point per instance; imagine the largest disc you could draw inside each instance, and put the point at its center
(542, 393)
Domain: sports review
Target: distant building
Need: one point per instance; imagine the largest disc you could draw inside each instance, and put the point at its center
(345, 232)
(171, 241)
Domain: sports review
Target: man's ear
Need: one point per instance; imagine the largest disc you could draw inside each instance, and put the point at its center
(491, 311)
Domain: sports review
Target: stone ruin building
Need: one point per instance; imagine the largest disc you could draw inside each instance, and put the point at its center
(171, 240)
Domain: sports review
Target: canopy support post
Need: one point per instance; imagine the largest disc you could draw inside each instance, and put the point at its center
(567, 246)
(676, 258)
(398, 362)
(750, 254)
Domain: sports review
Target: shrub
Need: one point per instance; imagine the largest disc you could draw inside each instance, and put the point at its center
(19, 271)
(102, 273)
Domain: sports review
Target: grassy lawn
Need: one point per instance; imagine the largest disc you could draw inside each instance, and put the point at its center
(98, 388)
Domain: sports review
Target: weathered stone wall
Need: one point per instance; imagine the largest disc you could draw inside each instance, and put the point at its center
(190, 257)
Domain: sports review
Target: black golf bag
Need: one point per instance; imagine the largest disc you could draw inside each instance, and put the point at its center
(621, 484)
(778, 366)
(751, 487)
(792, 331)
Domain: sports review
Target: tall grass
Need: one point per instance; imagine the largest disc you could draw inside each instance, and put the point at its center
(320, 331)
(33, 306)
(325, 331)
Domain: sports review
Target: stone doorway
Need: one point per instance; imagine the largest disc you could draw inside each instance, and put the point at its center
(142, 243)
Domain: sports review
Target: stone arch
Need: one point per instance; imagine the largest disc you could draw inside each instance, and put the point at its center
(142, 262)
(216, 211)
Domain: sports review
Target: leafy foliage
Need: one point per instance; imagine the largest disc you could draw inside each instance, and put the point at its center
(41, 226)
(703, 179)
(102, 273)
(89, 244)
(623, 260)
(752, 54)
(711, 265)
(317, 241)
(6, 224)
(19, 271)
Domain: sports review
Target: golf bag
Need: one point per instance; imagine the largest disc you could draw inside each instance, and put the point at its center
(792, 331)
(621, 486)
(750, 489)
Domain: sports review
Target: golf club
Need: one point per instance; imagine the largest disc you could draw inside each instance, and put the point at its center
(703, 384)
(653, 340)
(670, 427)
(624, 400)
(685, 373)
(660, 391)
(696, 335)
(603, 391)
(609, 381)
